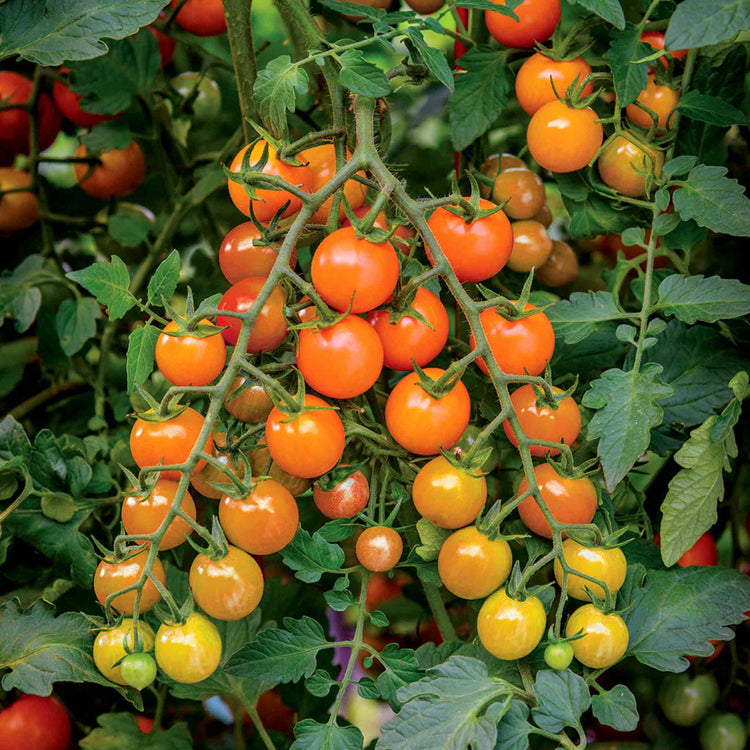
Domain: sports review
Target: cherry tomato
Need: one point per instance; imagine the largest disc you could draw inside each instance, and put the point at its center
(262, 523)
(248, 403)
(475, 250)
(662, 100)
(17, 210)
(570, 501)
(558, 655)
(145, 724)
(531, 246)
(341, 361)
(308, 445)
(110, 646)
(111, 577)
(518, 346)
(379, 548)
(605, 637)
(321, 166)
(723, 732)
(686, 702)
(624, 166)
(655, 39)
(261, 464)
(564, 139)
(188, 652)
(541, 80)
(425, 7)
(201, 480)
(138, 670)
(408, 338)
(346, 499)
(500, 163)
(201, 17)
(168, 442)
(560, 268)
(543, 216)
(703, 552)
(35, 722)
(190, 360)
(471, 565)
(422, 424)
(509, 628)
(240, 257)
(607, 565)
(543, 422)
(267, 201)
(68, 102)
(167, 45)
(274, 714)
(402, 235)
(521, 192)
(269, 329)
(200, 95)
(141, 515)
(537, 20)
(229, 588)
(121, 171)
(448, 496)
(382, 4)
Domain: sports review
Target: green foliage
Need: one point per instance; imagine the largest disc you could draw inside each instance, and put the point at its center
(692, 26)
(121, 731)
(563, 697)
(616, 708)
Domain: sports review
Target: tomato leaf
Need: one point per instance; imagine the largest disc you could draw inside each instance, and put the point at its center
(609, 10)
(76, 323)
(312, 556)
(629, 77)
(128, 231)
(275, 92)
(563, 697)
(366, 12)
(339, 600)
(121, 732)
(361, 76)
(401, 668)
(107, 135)
(109, 283)
(310, 735)
(514, 728)
(25, 307)
(698, 24)
(433, 58)
(696, 298)
(140, 356)
(164, 281)
(710, 109)
(580, 316)
(616, 708)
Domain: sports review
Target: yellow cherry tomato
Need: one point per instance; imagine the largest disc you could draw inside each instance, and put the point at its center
(508, 628)
(608, 565)
(188, 652)
(605, 638)
(110, 646)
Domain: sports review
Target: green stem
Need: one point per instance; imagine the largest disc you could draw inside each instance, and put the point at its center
(240, 33)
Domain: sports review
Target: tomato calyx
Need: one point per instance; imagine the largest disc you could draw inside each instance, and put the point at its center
(160, 412)
(217, 547)
(468, 208)
(439, 387)
(337, 475)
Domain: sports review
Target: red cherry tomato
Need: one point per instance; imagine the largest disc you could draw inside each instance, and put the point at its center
(190, 360)
(111, 577)
(121, 171)
(537, 20)
(655, 39)
(201, 17)
(540, 77)
(240, 257)
(145, 724)
(321, 166)
(35, 722)
(346, 499)
(610, 245)
(17, 210)
(703, 552)
(379, 548)
(68, 102)
(167, 45)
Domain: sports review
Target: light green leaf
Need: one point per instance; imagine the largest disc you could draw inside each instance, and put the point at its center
(140, 356)
(109, 283)
(164, 281)
(695, 298)
(609, 10)
(616, 708)
(433, 58)
(563, 696)
(310, 735)
(710, 109)
(361, 76)
(76, 323)
(128, 231)
(275, 91)
(121, 732)
(696, 23)
(629, 77)
(312, 556)
(580, 316)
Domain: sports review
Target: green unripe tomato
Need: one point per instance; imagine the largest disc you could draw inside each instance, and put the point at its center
(723, 732)
(138, 670)
(687, 702)
(204, 104)
(558, 655)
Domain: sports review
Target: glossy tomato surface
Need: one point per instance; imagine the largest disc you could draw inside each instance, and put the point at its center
(203, 480)
(629, 166)
(188, 652)
(345, 499)
(605, 637)
(242, 254)
(248, 401)
(509, 628)
(35, 722)
(113, 644)
(606, 565)
(201, 17)
(521, 193)
(536, 22)
(17, 210)
(379, 548)
(121, 171)
(531, 246)
(110, 577)
(703, 552)
(541, 80)
(321, 167)
(660, 99)
(190, 360)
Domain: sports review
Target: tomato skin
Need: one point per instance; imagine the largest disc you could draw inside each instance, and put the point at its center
(508, 628)
(309, 445)
(608, 565)
(260, 460)
(425, 7)
(560, 268)
(379, 548)
(251, 404)
(544, 217)
(122, 170)
(68, 103)
(543, 422)
(268, 201)
(563, 139)
(145, 724)
(524, 192)
(240, 257)
(206, 103)
(476, 251)
(422, 424)
(17, 210)
(471, 565)
(346, 499)
(167, 45)
(341, 361)
(558, 655)
(661, 99)
(145, 515)
(138, 670)
(622, 162)
(227, 589)
(537, 21)
(687, 702)
(538, 74)
(409, 338)
(35, 722)
(605, 638)
(448, 496)
(201, 17)
(269, 329)
(169, 441)
(190, 652)
(321, 167)
(110, 577)
(531, 246)
(201, 480)
(517, 346)
(656, 39)
(723, 732)
(703, 552)
(189, 360)
(109, 646)
(571, 501)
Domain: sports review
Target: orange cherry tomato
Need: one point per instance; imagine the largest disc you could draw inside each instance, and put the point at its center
(509, 628)
(248, 403)
(421, 423)
(346, 499)
(560, 268)
(537, 20)
(540, 78)
(655, 39)
(379, 548)
(321, 166)
(262, 464)
(111, 577)
(401, 237)
(531, 246)
(17, 210)
(606, 564)
(570, 501)
(202, 480)
(522, 193)
(240, 257)
(662, 100)
(625, 166)
(121, 171)
(201, 17)
(190, 360)
(262, 523)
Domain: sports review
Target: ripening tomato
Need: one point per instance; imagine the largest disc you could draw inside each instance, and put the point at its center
(167, 442)
(544, 216)
(309, 444)
(17, 210)
(510, 628)
(408, 338)
(269, 329)
(471, 565)
(242, 255)
(655, 39)
(560, 268)
(202, 480)
(113, 644)
(448, 496)
(605, 638)
(562, 138)
(607, 565)
(261, 464)
(111, 577)
(379, 548)
(190, 360)
(421, 423)
(521, 192)
(248, 401)
(518, 346)
(229, 588)
(69, 104)
(345, 499)
(201, 17)
(138, 670)
(531, 246)
(629, 166)
(188, 652)
(341, 361)
(321, 167)
(540, 78)
(144, 515)
(262, 523)
(200, 96)
(661, 99)
(723, 731)
(686, 702)
(537, 20)
(425, 7)
(475, 250)
(539, 421)
(35, 722)
(703, 552)
(348, 271)
(267, 201)
(121, 171)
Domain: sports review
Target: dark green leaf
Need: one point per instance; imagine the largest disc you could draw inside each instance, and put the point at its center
(616, 708)
(109, 283)
(339, 600)
(696, 23)
(164, 281)
(312, 556)
(597, 216)
(140, 357)
(108, 135)
(514, 728)
(59, 507)
(401, 668)
(76, 323)
(433, 58)
(356, 10)
(679, 166)
(25, 307)
(711, 109)
(121, 732)
(310, 735)
(629, 78)
(609, 10)
(580, 316)
(275, 91)
(128, 231)
(695, 298)
(361, 76)
(563, 697)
